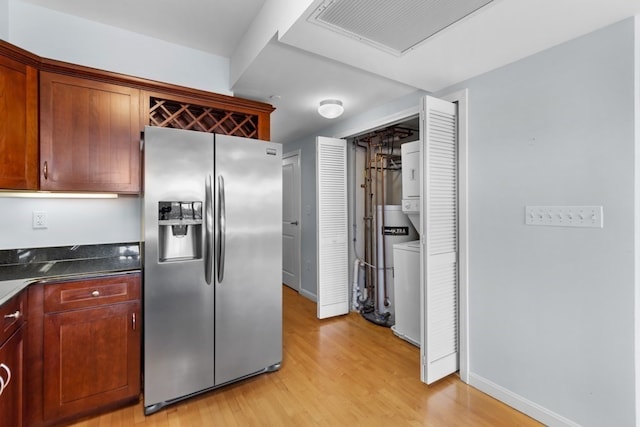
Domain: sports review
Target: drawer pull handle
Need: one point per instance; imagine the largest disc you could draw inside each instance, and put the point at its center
(15, 315)
(5, 383)
(95, 294)
(133, 321)
(45, 170)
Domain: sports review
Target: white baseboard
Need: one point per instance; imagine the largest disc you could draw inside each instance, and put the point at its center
(309, 295)
(518, 402)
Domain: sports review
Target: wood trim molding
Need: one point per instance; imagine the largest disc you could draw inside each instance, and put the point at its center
(17, 54)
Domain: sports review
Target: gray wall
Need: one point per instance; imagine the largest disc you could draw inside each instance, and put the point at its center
(552, 309)
(4, 19)
(64, 37)
(308, 221)
(70, 222)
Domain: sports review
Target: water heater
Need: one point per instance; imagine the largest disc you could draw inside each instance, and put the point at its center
(395, 229)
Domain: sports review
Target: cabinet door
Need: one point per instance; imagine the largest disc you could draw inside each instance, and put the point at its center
(91, 358)
(18, 126)
(11, 373)
(89, 135)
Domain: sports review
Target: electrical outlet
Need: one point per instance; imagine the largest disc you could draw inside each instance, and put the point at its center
(39, 219)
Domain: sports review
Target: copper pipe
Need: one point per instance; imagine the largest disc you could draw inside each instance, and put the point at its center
(380, 225)
(369, 277)
(378, 154)
(384, 245)
(375, 185)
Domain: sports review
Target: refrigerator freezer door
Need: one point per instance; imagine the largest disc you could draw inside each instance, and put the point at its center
(178, 303)
(248, 313)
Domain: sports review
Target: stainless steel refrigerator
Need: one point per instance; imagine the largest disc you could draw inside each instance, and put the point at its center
(212, 262)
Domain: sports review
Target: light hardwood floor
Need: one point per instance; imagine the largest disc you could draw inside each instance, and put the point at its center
(344, 371)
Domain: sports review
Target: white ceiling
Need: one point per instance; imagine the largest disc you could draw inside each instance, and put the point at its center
(299, 80)
(500, 33)
(304, 62)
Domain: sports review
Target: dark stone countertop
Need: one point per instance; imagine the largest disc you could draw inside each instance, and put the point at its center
(20, 267)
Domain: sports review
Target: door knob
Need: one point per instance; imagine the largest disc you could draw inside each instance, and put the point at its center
(294, 223)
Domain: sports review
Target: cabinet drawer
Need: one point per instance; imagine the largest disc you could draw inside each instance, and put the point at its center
(91, 292)
(12, 315)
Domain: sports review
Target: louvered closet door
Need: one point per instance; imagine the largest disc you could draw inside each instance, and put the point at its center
(332, 229)
(440, 239)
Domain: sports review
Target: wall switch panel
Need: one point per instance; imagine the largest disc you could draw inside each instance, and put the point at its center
(565, 216)
(39, 219)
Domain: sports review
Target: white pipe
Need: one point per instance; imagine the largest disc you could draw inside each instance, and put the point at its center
(364, 292)
(355, 286)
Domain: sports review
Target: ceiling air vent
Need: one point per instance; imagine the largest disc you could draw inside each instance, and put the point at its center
(393, 26)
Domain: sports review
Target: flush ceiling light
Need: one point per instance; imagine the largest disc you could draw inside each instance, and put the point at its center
(330, 108)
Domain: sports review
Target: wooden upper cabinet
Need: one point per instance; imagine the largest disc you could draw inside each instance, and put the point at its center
(18, 125)
(89, 135)
(91, 121)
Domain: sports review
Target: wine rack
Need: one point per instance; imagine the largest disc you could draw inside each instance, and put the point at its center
(182, 115)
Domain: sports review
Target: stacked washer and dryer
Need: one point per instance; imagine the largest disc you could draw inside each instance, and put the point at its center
(406, 255)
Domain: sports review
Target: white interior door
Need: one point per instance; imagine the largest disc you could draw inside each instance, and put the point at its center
(332, 227)
(440, 341)
(291, 220)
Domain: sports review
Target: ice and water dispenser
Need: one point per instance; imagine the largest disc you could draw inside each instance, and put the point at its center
(179, 230)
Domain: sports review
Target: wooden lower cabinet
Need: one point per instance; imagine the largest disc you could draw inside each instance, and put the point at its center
(90, 336)
(11, 369)
(12, 316)
(91, 359)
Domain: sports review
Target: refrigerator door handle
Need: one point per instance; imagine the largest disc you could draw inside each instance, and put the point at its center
(208, 229)
(222, 214)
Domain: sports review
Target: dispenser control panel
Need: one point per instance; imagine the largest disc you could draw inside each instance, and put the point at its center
(168, 211)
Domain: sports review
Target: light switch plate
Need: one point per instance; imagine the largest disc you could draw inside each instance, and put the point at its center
(565, 216)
